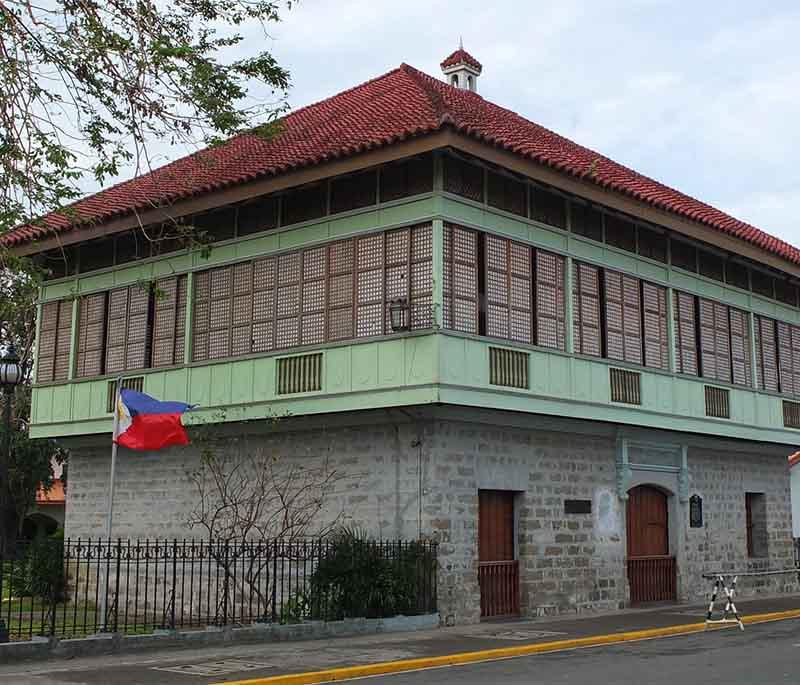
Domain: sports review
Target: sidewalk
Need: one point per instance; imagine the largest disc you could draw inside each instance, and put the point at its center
(268, 660)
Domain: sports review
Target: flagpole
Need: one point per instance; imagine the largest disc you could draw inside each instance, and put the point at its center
(110, 512)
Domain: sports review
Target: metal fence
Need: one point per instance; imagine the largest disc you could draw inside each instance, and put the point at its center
(797, 553)
(80, 587)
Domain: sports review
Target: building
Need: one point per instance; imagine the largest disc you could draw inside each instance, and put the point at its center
(794, 460)
(48, 512)
(582, 382)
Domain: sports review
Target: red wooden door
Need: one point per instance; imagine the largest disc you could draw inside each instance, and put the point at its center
(651, 569)
(498, 570)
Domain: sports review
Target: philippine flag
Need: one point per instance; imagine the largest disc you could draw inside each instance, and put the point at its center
(146, 423)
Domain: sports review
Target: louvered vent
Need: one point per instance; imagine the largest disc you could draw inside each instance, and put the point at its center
(718, 402)
(508, 367)
(134, 383)
(791, 414)
(300, 374)
(626, 386)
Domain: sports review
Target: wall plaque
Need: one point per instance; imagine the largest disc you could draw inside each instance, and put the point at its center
(695, 511)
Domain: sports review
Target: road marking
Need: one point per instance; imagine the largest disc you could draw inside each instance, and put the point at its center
(387, 667)
(223, 667)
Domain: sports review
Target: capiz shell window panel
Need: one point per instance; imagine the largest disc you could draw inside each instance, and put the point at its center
(169, 321)
(91, 335)
(550, 305)
(685, 333)
(715, 340)
(586, 309)
(766, 354)
(654, 317)
(55, 340)
(623, 317)
(329, 293)
(508, 290)
(460, 281)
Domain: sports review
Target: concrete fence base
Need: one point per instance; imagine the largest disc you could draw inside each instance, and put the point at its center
(116, 643)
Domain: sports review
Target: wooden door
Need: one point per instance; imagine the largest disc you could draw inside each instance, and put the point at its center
(498, 570)
(651, 569)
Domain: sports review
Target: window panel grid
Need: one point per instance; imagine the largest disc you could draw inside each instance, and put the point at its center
(550, 305)
(586, 309)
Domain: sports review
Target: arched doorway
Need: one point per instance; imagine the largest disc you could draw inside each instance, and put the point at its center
(651, 569)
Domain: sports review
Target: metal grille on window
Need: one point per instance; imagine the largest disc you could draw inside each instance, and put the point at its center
(586, 309)
(625, 386)
(623, 318)
(715, 348)
(91, 335)
(369, 285)
(718, 402)
(656, 342)
(135, 383)
(550, 315)
(766, 354)
(685, 333)
(463, 178)
(299, 374)
(460, 282)
(740, 347)
(791, 414)
(508, 368)
(54, 342)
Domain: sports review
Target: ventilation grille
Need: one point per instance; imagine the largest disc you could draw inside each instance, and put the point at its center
(718, 402)
(508, 368)
(300, 374)
(626, 386)
(135, 383)
(791, 414)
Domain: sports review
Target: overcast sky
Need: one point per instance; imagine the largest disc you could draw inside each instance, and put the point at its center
(705, 100)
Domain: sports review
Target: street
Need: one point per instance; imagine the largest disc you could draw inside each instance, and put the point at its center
(762, 654)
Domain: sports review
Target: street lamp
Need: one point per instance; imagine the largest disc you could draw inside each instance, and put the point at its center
(10, 377)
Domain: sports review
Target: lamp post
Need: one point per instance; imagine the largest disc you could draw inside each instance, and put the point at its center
(10, 378)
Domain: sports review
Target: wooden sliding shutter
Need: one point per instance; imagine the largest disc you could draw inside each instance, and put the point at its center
(623, 320)
(460, 282)
(550, 305)
(586, 309)
(54, 342)
(369, 286)
(91, 335)
(715, 340)
(242, 309)
(508, 290)
(421, 288)
(287, 324)
(740, 347)
(398, 245)
(169, 321)
(789, 358)
(685, 333)
(127, 337)
(264, 289)
(312, 324)
(766, 354)
(340, 290)
(654, 315)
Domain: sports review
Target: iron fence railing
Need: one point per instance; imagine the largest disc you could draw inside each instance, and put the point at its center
(80, 587)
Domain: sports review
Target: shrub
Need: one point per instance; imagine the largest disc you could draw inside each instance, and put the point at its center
(358, 577)
(40, 572)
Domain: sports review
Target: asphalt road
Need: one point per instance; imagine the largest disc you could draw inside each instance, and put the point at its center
(763, 654)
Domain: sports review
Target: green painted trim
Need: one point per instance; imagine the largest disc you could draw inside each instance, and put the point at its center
(188, 338)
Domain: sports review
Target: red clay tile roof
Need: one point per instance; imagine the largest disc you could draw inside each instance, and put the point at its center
(461, 56)
(794, 459)
(404, 103)
(55, 495)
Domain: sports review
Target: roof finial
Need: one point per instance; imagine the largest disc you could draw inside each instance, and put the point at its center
(461, 42)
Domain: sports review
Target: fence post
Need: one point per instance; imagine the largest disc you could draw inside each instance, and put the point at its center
(116, 585)
(174, 582)
(274, 579)
(226, 586)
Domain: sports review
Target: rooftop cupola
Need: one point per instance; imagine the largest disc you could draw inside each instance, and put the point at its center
(462, 70)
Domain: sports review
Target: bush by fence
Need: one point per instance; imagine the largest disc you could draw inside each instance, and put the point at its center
(57, 588)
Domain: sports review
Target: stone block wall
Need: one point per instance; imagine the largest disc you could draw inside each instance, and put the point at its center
(407, 477)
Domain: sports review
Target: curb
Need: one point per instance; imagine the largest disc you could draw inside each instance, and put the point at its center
(388, 667)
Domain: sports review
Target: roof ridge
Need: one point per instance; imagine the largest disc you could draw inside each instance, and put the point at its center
(420, 78)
